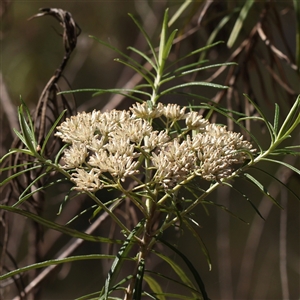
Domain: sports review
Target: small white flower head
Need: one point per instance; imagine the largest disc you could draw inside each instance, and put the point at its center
(174, 112)
(118, 165)
(87, 181)
(173, 163)
(109, 121)
(219, 151)
(120, 144)
(156, 139)
(134, 129)
(194, 121)
(75, 156)
(78, 128)
(96, 143)
(146, 110)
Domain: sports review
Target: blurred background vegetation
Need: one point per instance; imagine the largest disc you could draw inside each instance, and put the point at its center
(259, 260)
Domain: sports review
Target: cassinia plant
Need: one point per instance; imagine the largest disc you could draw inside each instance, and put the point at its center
(149, 154)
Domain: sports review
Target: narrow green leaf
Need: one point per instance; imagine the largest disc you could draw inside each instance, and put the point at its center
(225, 209)
(276, 118)
(146, 37)
(203, 248)
(20, 136)
(261, 187)
(205, 48)
(116, 50)
(23, 197)
(29, 118)
(51, 131)
(58, 227)
(179, 12)
(217, 29)
(151, 296)
(171, 279)
(184, 70)
(138, 288)
(208, 67)
(103, 91)
(150, 82)
(279, 181)
(6, 180)
(245, 197)
(57, 261)
(27, 132)
(91, 296)
(118, 262)
(169, 45)
(178, 270)
(24, 165)
(195, 83)
(282, 163)
(264, 118)
(239, 22)
(163, 38)
(291, 121)
(175, 296)
(190, 266)
(154, 286)
(181, 69)
(147, 58)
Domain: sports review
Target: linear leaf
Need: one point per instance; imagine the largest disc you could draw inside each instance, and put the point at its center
(51, 130)
(163, 38)
(245, 197)
(282, 163)
(169, 44)
(138, 289)
(147, 58)
(196, 52)
(261, 187)
(178, 270)
(239, 22)
(179, 12)
(57, 261)
(27, 132)
(146, 37)
(276, 118)
(264, 118)
(137, 70)
(117, 263)
(17, 174)
(195, 83)
(208, 67)
(20, 136)
(114, 49)
(58, 227)
(154, 286)
(279, 181)
(203, 248)
(217, 29)
(191, 268)
(23, 197)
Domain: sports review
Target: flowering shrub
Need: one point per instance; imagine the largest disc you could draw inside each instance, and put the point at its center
(160, 150)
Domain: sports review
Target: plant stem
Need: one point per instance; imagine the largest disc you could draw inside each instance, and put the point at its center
(144, 249)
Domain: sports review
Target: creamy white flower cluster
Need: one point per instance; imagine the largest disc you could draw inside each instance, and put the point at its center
(118, 144)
